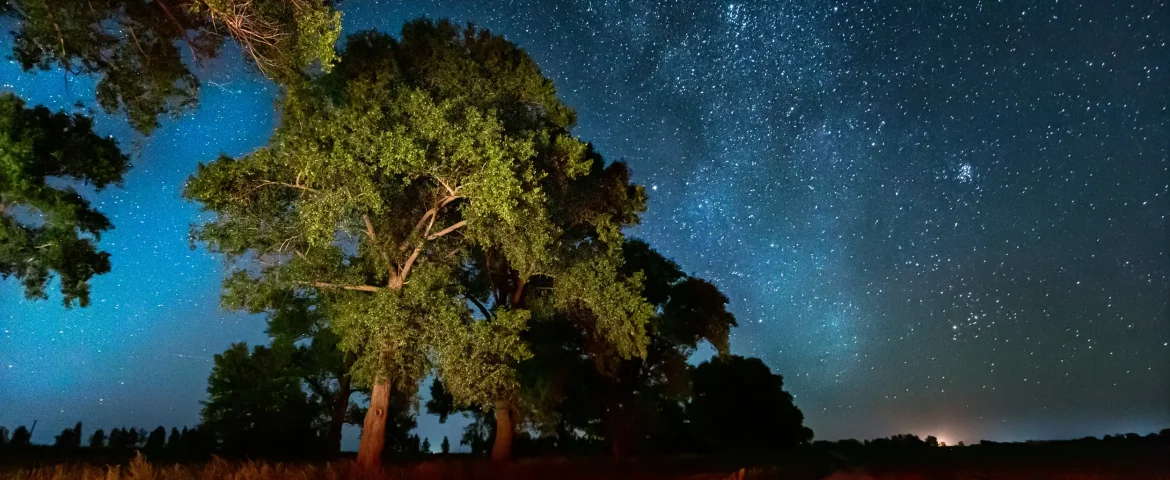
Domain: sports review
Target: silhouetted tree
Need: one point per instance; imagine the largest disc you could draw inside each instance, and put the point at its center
(116, 438)
(3, 436)
(70, 438)
(445, 447)
(98, 439)
(157, 439)
(740, 405)
(579, 391)
(931, 441)
(21, 437)
(36, 147)
(197, 441)
(299, 317)
(175, 442)
(256, 405)
(425, 448)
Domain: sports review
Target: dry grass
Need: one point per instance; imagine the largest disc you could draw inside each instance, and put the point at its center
(466, 468)
(449, 469)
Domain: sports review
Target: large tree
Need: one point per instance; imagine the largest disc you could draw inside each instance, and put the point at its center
(135, 48)
(571, 256)
(46, 227)
(381, 177)
(739, 405)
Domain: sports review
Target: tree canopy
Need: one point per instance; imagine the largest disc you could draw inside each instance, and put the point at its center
(46, 227)
(384, 179)
(135, 48)
(257, 405)
(740, 405)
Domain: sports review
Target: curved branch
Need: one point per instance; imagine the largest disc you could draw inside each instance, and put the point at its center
(360, 288)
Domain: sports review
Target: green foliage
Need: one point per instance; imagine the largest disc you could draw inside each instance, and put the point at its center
(383, 179)
(283, 37)
(256, 404)
(579, 382)
(47, 228)
(135, 48)
(479, 366)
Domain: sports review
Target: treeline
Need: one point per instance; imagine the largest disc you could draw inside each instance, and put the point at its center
(911, 441)
(188, 441)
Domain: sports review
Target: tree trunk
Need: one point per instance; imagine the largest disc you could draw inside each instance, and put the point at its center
(502, 448)
(617, 432)
(337, 418)
(374, 427)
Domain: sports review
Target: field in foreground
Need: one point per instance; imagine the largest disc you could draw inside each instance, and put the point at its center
(968, 463)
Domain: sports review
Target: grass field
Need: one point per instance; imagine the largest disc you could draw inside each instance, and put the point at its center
(1069, 462)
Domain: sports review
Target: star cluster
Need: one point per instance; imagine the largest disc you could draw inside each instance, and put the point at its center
(944, 217)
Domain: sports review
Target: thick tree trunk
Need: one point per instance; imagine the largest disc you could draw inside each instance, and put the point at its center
(337, 418)
(374, 428)
(502, 448)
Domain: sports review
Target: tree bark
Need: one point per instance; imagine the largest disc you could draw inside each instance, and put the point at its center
(337, 418)
(505, 428)
(373, 440)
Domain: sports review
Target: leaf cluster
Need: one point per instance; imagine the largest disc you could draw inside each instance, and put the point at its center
(46, 226)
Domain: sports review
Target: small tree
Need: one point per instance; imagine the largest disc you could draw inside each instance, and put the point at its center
(426, 446)
(3, 436)
(98, 439)
(157, 439)
(174, 443)
(446, 445)
(70, 438)
(256, 404)
(21, 437)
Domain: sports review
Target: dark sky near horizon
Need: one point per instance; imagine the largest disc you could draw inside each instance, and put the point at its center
(944, 217)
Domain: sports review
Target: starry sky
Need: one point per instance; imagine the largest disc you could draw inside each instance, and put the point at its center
(944, 217)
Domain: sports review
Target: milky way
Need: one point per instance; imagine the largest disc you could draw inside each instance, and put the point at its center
(944, 217)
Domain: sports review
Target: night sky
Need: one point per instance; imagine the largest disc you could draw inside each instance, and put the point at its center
(938, 217)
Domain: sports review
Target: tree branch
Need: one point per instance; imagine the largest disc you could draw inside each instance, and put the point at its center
(182, 30)
(452, 228)
(290, 185)
(370, 229)
(482, 309)
(518, 295)
(399, 280)
(360, 288)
